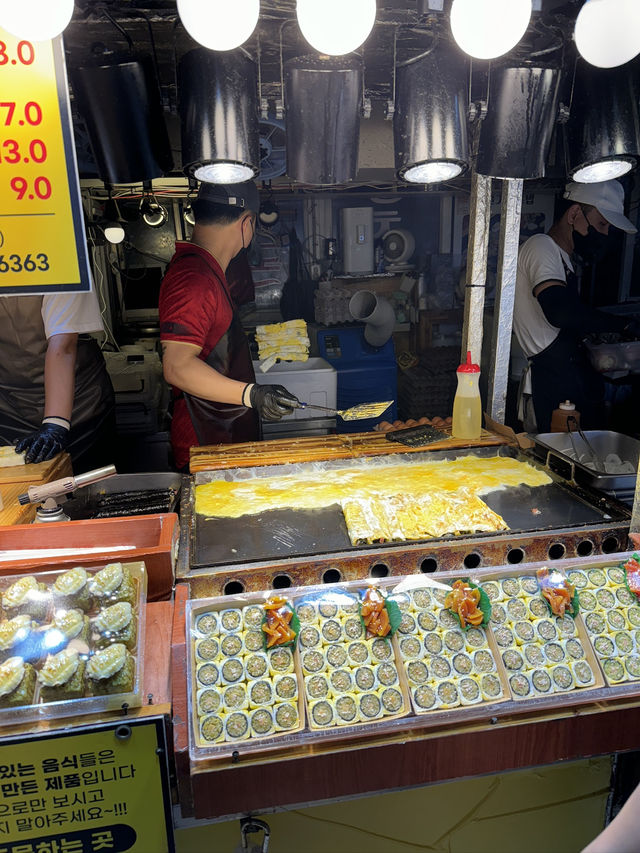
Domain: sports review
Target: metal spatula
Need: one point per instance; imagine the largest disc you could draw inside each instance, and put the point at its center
(355, 413)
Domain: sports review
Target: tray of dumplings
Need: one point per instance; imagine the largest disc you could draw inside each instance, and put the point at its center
(71, 642)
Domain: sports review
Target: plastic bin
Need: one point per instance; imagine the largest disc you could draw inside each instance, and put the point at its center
(612, 358)
(312, 381)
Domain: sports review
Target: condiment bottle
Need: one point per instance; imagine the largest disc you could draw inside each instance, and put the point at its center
(561, 414)
(467, 408)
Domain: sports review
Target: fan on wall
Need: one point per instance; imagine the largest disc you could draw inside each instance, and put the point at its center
(273, 156)
(398, 245)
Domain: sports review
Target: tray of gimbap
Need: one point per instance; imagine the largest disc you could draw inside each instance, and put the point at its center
(71, 642)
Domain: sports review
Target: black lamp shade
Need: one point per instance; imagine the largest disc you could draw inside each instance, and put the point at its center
(218, 105)
(430, 119)
(120, 104)
(323, 98)
(516, 132)
(604, 123)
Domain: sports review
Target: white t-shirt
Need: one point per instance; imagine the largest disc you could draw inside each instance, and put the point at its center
(539, 259)
(71, 312)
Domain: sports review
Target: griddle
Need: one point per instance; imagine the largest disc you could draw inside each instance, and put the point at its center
(290, 532)
(126, 495)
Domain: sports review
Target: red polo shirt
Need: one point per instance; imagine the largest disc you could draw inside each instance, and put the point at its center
(193, 309)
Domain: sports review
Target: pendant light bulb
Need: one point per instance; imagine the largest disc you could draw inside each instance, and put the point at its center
(219, 24)
(488, 28)
(35, 20)
(604, 170)
(336, 27)
(607, 32)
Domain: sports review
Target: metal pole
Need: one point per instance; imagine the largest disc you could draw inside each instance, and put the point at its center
(505, 295)
(634, 526)
(477, 251)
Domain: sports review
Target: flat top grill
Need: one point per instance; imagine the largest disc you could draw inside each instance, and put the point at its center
(289, 532)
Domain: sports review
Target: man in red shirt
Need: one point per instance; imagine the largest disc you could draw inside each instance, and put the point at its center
(206, 355)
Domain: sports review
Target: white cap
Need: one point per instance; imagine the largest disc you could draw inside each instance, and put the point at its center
(607, 197)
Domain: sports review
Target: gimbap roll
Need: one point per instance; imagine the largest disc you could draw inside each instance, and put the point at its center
(353, 628)
(624, 597)
(562, 677)
(408, 624)
(523, 631)
(597, 577)
(285, 687)
(605, 598)
(440, 667)
(424, 698)
(280, 661)
(358, 652)
(309, 637)
(327, 609)
(554, 652)
(261, 692)
(494, 593)
(596, 623)
(490, 686)
(498, 614)
(307, 612)
(454, 640)
(391, 700)
(582, 673)
(541, 681)
(208, 674)
(207, 649)
(346, 710)
(475, 638)
(230, 645)
(633, 615)
(207, 623)
(469, 690)
(510, 587)
(341, 681)
(231, 670)
(483, 661)
(236, 725)
(624, 642)
(256, 665)
(417, 672)
(253, 640)
(380, 650)
(503, 636)
(513, 660)
(588, 600)
(364, 678)
(421, 599)
(231, 619)
(446, 619)
(349, 606)
(261, 722)
(520, 685)
(286, 716)
(579, 579)
(462, 663)
(316, 687)
(331, 631)
(208, 701)
(235, 697)
(313, 661)
(616, 619)
(529, 584)
(211, 728)
(448, 695)
(252, 616)
(426, 621)
(545, 629)
(632, 664)
(566, 626)
(539, 608)
(614, 670)
(433, 643)
(336, 655)
(369, 706)
(573, 648)
(387, 674)
(615, 575)
(321, 714)
(534, 655)
(402, 599)
(516, 609)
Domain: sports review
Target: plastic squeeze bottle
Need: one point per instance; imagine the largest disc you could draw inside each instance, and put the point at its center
(560, 415)
(467, 408)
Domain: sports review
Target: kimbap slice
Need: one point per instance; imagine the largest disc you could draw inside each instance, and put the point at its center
(633, 615)
(254, 640)
(208, 674)
(574, 649)
(286, 716)
(446, 619)
(439, 596)
(510, 587)
(503, 636)
(579, 580)
(231, 620)
(541, 681)
(381, 650)
(369, 706)
(208, 701)
(410, 648)
(349, 606)
(462, 663)
(391, 700)
(207, 623)
(595, 623)
(256, 665)
(424, 698)
(616, 619)
(252, 616)
(309, 637)
(516, 609)
(321, 713)
(316, 687)
(566, 626)
(605, 598)
(402, 599)
(260, 692)
(358, 652)
(448, 695)
(562, 677)
(207, 649)
(626, 598)
(469, 691)
(331, 631)
(483, 661)
(313, 661)
(408, 624)
(336, 655)
(440, 667)
(614, 670)
(632, 663)
(280, 660)
(235, 697)
(433, 643)
(624, 642)
(417, 673)
(523, 631)
(546, 630)
(211, 728)
(346, 710)
(554, 652)
(421, 599)
(353, 628)
(327, 609)
(597, 577)
(513, 660)
(534, 655)
(236, 725)
(454, 640)
(232, 670)
(498, 614)
(588, 601)
(490, 686)
(582, 673)
(604, 646)
(538, 608)
(520, 685)
(426, 621)
(365, 678)
(307, 612)
(494, 593)
(387, 674)
(285, 687)
(341, 681)
(231, 645)
(529, 584)
(616, 575)
(261, 722)
(475, 638)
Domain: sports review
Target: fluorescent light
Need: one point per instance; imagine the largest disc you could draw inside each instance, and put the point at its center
(224, 173)
(605, 170)
(430, 173)
(607, 32)
(488, 28)
(219, 24)
(336, 27)
(35, 20)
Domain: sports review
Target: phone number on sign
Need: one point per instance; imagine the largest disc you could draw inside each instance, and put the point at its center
(28, 263)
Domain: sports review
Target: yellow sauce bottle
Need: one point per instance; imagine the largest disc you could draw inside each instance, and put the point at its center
(467, 407)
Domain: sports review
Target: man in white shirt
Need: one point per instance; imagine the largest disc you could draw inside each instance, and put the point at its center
(55, 392)
(550, 319)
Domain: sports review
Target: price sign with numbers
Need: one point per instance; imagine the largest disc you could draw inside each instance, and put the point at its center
(42, 242)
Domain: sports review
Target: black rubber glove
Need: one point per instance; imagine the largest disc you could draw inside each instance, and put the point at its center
(272, 401)
(44, 443)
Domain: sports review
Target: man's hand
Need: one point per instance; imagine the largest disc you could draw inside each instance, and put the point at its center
(272, 401)
(44, 443)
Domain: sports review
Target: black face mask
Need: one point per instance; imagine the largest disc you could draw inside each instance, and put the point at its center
(592, 246)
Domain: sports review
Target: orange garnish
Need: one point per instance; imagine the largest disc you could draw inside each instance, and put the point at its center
(374, 613)
(632, 571)
(463, 600)
(557, 590)
(276, 625)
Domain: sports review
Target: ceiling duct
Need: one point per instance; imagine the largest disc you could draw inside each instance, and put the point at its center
(119, 101)
(322, 100)
(603, 131)
(430, 120)
(515, 134)
(218, 105)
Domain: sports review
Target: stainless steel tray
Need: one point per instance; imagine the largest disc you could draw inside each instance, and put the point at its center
(556, 451)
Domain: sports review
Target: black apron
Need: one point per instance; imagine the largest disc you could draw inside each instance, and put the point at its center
(563, 371)
(224, 423)
(23, 347)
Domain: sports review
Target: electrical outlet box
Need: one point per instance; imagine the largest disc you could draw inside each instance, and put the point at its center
(357, 240)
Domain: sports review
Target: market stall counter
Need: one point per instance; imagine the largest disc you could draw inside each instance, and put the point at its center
(395, 682)
(15, 479)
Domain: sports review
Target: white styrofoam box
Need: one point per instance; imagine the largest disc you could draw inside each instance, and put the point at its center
(312, 381)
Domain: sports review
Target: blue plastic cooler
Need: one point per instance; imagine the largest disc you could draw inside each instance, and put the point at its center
(365, 374)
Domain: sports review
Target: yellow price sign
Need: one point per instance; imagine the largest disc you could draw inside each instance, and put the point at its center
(101, 789)
(42, 242)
